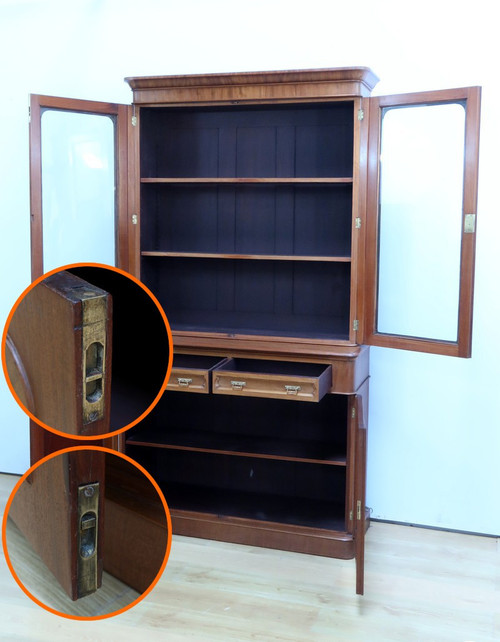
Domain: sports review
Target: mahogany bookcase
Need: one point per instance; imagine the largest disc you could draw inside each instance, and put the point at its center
(251, 205)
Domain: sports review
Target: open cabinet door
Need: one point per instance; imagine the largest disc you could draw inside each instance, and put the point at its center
(82, 155)
(59, 509)
(359, 417)
(80, 165)
(421, 221)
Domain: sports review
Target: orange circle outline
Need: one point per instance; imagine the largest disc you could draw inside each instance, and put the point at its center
(169, 533)
(163, 387)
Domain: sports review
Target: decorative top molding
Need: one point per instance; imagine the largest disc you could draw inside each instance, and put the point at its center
(248, 87)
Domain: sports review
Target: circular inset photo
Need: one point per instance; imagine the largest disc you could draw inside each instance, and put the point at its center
(87, 351)
(86, 533)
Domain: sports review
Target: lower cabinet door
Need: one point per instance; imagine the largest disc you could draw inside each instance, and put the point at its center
(361, 522)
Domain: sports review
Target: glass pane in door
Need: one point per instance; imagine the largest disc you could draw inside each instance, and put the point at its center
(420, 220)
(78, 188)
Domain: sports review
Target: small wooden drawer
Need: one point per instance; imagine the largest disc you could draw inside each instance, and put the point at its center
(273, 379)
(191, 372)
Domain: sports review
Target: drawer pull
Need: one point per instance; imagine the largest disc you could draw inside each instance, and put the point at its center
(184, 382)
(292, 390)
(238, 385)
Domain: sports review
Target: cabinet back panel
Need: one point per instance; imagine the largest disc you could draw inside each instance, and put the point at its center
(248, 475)
(324, 422)
(264, 141)
(282, 298)
(248, 219)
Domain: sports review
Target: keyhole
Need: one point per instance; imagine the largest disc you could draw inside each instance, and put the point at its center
(88, 534)
(93, 371)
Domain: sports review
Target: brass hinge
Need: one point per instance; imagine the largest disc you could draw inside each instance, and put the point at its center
(357, 222)
(361, 114)
(29, 113)
(88, 525)
(353, 412)
(358, 509)
(350, 515)
(469, 223)
(134, 121)
(355, 325)
(134, 219)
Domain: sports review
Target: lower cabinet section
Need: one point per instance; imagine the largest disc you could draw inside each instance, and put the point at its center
(257, 470)
(259, 489)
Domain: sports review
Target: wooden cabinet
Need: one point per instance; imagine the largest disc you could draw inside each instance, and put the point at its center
(257, 213)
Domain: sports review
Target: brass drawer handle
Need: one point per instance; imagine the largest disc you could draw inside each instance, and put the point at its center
(292, 390)
(184, 382)
(238, 385)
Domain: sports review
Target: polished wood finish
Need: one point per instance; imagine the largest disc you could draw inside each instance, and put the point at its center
(192, 373)
(270, 379)
(314, 541)
(275, 86)
(45, 510)
(136, 535)
(49, 334)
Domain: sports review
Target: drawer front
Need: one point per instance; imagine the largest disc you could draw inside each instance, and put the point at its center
(274, 386)
(189, 380)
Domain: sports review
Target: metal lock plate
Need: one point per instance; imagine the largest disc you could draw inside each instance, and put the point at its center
(87, 538)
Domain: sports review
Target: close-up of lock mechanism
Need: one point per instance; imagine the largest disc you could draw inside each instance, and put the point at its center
(88, 525)
(94, 352)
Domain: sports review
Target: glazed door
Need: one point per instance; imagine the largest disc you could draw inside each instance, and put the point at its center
(59, 510)
(79, 170)
(421, 221)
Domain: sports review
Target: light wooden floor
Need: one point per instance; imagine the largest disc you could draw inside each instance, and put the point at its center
(421, 585)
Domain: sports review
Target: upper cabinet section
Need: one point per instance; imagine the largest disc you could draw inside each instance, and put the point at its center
(290, 204)
(287, 212)
(248, 183)
(422, 193)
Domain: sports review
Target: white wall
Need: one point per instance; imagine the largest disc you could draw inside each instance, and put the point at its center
(434, 429)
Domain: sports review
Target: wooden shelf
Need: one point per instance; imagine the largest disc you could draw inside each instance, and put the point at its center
(246, 181)
(239, 445)
(251, 257)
